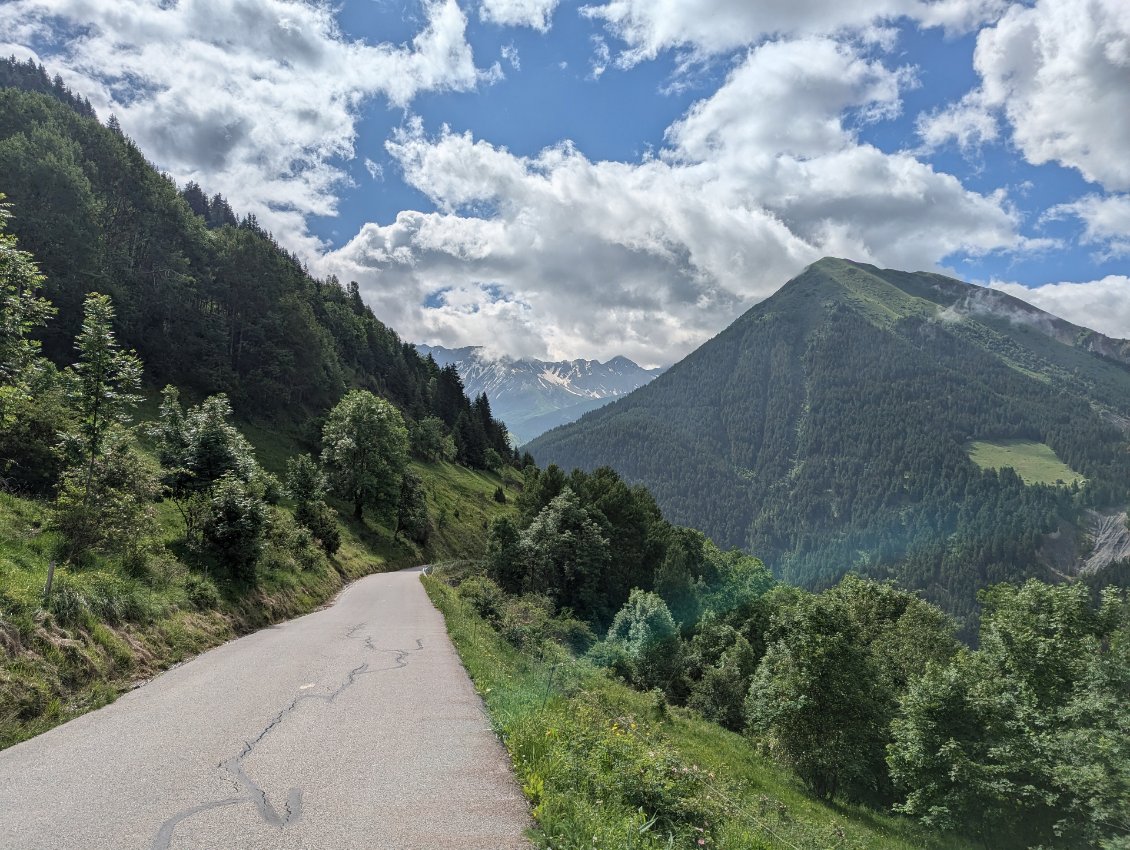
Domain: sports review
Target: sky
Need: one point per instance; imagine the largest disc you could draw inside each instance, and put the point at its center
(592, 178)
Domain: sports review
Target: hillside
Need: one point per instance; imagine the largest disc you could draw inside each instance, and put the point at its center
(208, 299)
(532, 396)
(832, 428)
(135, 532)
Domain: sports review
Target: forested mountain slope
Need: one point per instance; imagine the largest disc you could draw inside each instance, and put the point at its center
(831, 428)
(210, 302)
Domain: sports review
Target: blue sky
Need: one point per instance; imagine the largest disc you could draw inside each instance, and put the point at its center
(558, 178)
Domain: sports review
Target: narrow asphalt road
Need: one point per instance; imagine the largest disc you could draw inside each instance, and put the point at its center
(353, 727)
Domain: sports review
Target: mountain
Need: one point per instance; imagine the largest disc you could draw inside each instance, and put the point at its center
(209, 301)
(531, 396)
(876, 421)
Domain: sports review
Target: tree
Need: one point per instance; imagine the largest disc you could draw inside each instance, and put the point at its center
(307, 485)
(720, 664)
(108, 505)
(305, 481)
(430, 440)
(565, 555)
(365, 451)
(1024, 737)
(505, 561)
(643, 633)
(101, 385)
(196, 449)
(22, 312)
(32, 408)
(817, 699)
(412, 509)
(235, 525)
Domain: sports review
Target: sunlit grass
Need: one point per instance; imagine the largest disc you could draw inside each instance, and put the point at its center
(1035, 463)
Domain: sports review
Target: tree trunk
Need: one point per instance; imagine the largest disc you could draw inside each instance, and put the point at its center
(358, 508)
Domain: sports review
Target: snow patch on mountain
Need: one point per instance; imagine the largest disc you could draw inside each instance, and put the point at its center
(531, 396)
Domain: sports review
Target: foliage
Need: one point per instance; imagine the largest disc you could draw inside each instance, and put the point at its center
(430, 440)
(1023, 739)
(22, 312)
(102, 385)
(108, 505)
(321, 521)
(602, 767)
(365, 451)
(412, 509)
(643, 642)
(827, 430)
(32, 409)
(814, 698)
(724, 663)
(197, 448)
(235, 524)
(308, 486)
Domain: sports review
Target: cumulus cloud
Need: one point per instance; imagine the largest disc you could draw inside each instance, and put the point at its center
(1106, 221)
(969, 123)
(1102, 305)
(1059, 71)
(257, 96)
(519, 13)
(649, 27)
(558, 255)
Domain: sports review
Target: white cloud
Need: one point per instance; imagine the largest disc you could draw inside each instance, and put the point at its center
(1106, 221)
(1060, 73)
(510, 54)
(1102, 305)
(255, 98)
(375, 169)
(969, 123)
(519, 13)
(649, 27)
(558, 255)
(600, 59)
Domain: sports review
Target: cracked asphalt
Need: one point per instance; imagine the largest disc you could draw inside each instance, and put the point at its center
(352, 727)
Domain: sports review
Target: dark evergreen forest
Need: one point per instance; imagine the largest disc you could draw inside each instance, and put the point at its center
(208, 299)
(828, 431)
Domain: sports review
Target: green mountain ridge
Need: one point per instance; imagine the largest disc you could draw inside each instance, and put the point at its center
(828, 429)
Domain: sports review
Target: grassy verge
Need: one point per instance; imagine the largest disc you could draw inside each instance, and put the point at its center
(110, 624)
(610, 768)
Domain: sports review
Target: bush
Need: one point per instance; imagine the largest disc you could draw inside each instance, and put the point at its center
(235, 525)
(201, 592)
(321, 520)
(525, 621)
(570, 632)
(485, 597)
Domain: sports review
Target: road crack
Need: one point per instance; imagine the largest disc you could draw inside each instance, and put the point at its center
(234, 767)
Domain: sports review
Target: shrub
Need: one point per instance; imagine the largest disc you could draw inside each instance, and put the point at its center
(525, 621)
(201, 592)
(484, 596)
(321, 520)
(648, 641)
(234, 526)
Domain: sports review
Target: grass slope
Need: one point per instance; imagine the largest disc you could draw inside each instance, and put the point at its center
(604, 766)
(1036, 463)
(110, 625)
